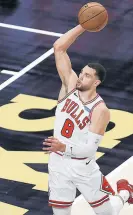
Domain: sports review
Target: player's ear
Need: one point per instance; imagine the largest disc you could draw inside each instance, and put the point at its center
(97, 82)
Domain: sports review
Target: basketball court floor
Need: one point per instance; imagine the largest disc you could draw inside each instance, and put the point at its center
(29, 87)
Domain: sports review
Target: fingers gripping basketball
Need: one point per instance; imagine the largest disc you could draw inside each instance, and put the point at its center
(93, 17)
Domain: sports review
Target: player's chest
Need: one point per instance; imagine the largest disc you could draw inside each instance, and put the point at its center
(75, 110)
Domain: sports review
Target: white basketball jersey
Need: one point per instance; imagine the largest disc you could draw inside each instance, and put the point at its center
(73, 118)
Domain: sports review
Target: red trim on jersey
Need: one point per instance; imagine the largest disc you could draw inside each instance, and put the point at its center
(72, 157)
(58, 153)
(79, 158)
(99, 202)
(90, 115)
(68, 94)
(85, 103)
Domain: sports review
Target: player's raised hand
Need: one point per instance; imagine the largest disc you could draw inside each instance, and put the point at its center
(53, 144)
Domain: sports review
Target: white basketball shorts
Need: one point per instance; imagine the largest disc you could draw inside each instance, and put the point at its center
(66, 174)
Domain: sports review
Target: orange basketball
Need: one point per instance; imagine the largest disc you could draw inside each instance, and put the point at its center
(93, 17)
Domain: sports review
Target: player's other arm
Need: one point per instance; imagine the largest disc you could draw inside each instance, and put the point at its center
(63, 63)
(100, 119)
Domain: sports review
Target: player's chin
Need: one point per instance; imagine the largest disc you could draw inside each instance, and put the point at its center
(78, 87)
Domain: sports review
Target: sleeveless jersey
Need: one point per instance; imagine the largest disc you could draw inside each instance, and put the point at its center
(73, 118)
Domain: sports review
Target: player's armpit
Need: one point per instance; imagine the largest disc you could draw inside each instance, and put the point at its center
(63, 92)
(100, 119)
(66, 89)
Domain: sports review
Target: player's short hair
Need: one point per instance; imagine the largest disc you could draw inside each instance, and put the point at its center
(100, 70)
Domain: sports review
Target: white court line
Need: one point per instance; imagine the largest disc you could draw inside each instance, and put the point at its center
(16, 27)
(4, 71)
(27, 68)
(34, 63)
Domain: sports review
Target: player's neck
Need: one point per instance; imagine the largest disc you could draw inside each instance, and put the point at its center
(87, 96)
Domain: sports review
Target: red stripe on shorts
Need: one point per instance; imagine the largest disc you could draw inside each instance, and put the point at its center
(99, 202)
(59, 204)
(97, 205)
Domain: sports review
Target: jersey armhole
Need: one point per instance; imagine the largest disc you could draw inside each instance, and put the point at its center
(90, 115)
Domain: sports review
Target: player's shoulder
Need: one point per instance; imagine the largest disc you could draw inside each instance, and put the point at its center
(102, 109)
(102, 106)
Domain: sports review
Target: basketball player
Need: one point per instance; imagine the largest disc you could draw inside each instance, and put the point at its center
(81, 121)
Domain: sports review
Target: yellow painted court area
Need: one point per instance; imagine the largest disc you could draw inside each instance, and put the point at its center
(6, 209)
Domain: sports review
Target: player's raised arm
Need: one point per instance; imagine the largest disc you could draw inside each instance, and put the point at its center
(63, 63)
